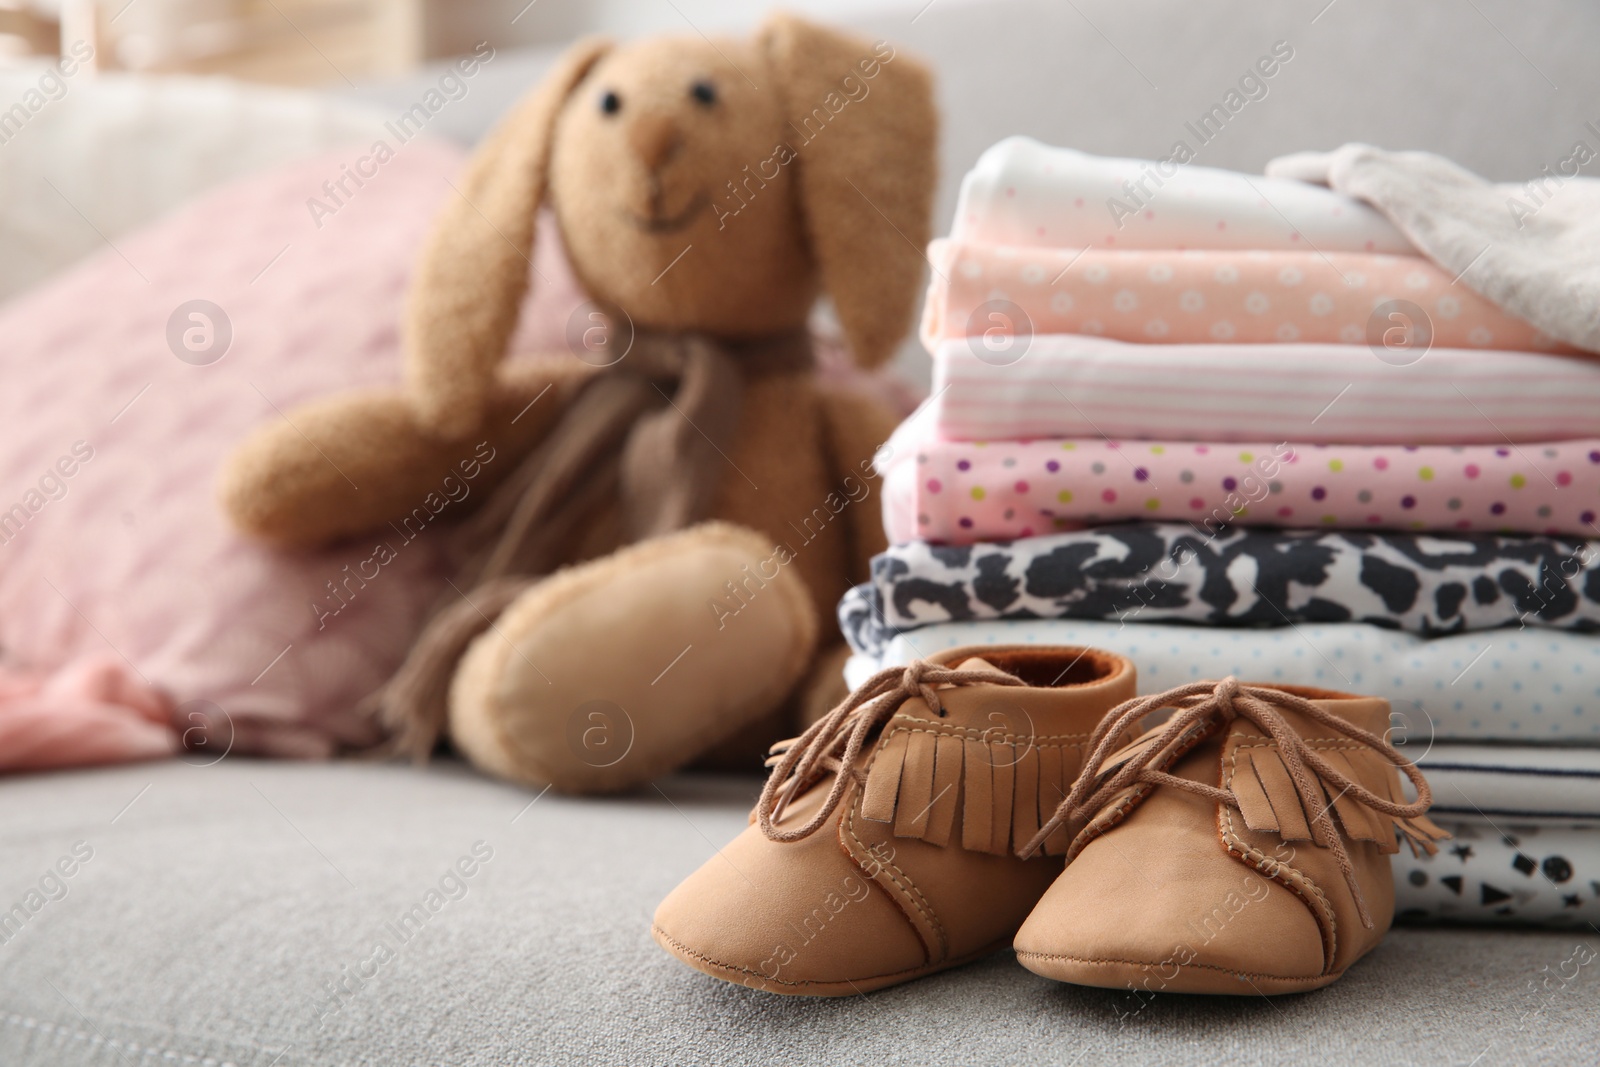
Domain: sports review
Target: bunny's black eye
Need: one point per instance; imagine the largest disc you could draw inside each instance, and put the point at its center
(610, 103)
(704, 93)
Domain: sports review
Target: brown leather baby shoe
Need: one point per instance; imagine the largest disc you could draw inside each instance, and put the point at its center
(1206, 857)
(882, 848)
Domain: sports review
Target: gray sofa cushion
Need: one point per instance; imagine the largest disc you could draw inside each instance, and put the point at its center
(220, 903)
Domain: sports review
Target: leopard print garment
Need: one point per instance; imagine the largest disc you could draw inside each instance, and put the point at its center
(1426, 584)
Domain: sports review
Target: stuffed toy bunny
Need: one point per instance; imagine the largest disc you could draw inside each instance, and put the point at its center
(674, 509)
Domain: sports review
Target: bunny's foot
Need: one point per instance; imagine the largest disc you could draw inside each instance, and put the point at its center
(614, 672)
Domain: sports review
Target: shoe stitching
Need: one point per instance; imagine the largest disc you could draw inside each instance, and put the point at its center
(1333, 742)
(1321, 909)
(908, 888)
(1033, 741)
(1098, 828)
(1022, 954)
(686, 950)
(973, 732)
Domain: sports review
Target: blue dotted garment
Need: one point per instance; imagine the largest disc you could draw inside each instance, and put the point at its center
(1497, 685)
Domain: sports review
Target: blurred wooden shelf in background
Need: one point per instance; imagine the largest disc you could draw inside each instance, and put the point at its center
(283, 42)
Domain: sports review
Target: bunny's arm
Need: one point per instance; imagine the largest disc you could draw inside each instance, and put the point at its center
(855, 427)
(346, 464)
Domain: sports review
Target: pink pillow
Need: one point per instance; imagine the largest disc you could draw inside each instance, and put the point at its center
(130, 613)
(133, 622)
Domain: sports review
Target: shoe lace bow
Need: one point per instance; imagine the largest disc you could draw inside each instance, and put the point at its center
(835, 743)
(1216, 704)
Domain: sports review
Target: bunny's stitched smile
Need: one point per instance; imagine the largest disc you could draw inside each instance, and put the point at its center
(671, 223)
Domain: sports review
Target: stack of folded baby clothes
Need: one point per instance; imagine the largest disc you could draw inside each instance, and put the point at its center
(1167, 395)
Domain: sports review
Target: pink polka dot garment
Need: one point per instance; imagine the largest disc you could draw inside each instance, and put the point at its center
(1212, 297)
(964, 492)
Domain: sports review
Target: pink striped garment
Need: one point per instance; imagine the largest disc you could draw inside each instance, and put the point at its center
(1071, 385)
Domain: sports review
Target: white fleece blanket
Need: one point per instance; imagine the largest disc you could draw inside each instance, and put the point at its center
(1532, 248)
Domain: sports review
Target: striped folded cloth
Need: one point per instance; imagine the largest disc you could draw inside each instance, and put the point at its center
(1511, 783)
(1069, 385)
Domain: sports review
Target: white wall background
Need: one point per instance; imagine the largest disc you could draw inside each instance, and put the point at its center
(454, 26)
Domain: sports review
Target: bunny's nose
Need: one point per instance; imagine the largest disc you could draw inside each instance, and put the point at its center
(655, 139)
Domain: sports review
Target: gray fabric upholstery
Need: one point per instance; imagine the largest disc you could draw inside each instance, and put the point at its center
(219, 900)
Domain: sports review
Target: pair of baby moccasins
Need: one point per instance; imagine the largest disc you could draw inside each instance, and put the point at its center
(1222, 837)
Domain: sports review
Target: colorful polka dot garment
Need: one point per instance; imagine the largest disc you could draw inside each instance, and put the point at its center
(963, 492)
(1496, 685)
(1212, 296)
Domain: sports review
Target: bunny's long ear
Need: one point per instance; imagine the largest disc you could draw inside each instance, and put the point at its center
(864, 130)
(473, 275)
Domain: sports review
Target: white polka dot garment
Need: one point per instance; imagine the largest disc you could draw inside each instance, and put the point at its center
(1022, 192)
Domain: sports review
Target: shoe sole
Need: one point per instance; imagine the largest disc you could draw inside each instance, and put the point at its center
(1144, 977)
(750, 979)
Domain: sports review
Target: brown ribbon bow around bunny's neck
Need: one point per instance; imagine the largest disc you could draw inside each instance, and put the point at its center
(1198, 710)
(648, 435)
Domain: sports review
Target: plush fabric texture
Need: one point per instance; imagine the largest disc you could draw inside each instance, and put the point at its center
(1518, 685)
(1173, 572)
(126, 597)
(1071, 385)
(1531, 247)
(1022, 192)
(1520, 784)
(963, 492)
(1200, 296)
(628, 144)
(627, 227)
(662, 456)
(96, 710)
(564, 722)
(1520, 873)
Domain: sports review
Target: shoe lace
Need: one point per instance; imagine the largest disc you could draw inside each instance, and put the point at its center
(1220, 703)
(834, 743)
